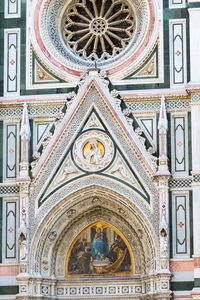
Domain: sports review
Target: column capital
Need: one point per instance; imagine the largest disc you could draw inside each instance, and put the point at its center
(23, 185)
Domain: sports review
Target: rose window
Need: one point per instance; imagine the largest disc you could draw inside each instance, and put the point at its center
(98, 29)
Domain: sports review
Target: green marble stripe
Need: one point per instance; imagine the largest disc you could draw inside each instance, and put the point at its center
(193, 5)
(9, 290)
(189, 142)
(1, 213)
(1, 151)
(170, 225)
(181, 285)
(191, 223)
(197, 282)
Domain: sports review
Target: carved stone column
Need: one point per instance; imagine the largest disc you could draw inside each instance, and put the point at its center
(24, 182)
(163, 176)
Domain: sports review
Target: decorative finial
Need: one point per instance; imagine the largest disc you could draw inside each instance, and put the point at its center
(25, 127)
(163, 124)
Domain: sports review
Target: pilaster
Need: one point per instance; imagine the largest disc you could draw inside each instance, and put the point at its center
(195, 120)
(194, 25)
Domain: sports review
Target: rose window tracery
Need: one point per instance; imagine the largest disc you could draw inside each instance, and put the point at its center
(72, 36)
(98, 30)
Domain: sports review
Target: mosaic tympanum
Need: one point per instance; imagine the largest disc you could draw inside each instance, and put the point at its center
(99, 250)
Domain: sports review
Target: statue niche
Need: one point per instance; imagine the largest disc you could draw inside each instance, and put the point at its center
(99, 250)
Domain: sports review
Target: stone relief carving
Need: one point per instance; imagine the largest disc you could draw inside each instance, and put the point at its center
(47, 139)
(163, 243)
(93, 150)
(94, 155)
(45, 265)
(154, 159)
(58, 119)
(41, 75)
(67, 171)
(139, 132)
(52, 236)
(120, 170)
(149, 69)
(23, 241)
(36, 157)
(71, 212)
(97, 200)
(115, 94)
(93, 121)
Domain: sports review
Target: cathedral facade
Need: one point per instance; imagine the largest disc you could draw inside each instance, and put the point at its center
(100, 149)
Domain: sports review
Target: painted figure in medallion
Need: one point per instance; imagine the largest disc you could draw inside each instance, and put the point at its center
(94, 156)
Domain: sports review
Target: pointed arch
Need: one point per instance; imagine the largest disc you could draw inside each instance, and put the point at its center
(64, 222)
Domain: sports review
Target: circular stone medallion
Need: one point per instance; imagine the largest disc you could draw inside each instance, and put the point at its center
(93, 151)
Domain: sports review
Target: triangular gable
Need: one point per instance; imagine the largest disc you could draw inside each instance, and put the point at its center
(118, 168)
(93, 104)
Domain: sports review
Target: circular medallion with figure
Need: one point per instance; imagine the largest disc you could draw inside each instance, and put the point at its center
(93, 151)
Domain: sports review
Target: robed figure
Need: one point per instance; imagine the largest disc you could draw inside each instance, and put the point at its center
(99, 245)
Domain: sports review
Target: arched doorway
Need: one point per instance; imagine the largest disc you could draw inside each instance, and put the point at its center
(79, 215)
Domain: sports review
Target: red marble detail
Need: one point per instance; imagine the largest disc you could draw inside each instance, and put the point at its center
(179, 144)
(10, 229)
(153, 93)
(197, 262)
(178, 53)
(182, 266)
(11, 151)
(12, 62)
(182, 297)
(180, 224)
(42, 46)
(9, 270)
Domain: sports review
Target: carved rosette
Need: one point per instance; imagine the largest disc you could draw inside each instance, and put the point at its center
(93, 151)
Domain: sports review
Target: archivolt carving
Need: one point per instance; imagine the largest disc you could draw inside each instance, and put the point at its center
(128, 221)
(63, 244)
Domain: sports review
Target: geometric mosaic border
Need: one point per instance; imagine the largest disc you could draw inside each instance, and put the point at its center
(196, 178)
(195, 98)
(12, 189)
(54, 110)
(180, 183)
(33, 111)
(155, 105)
